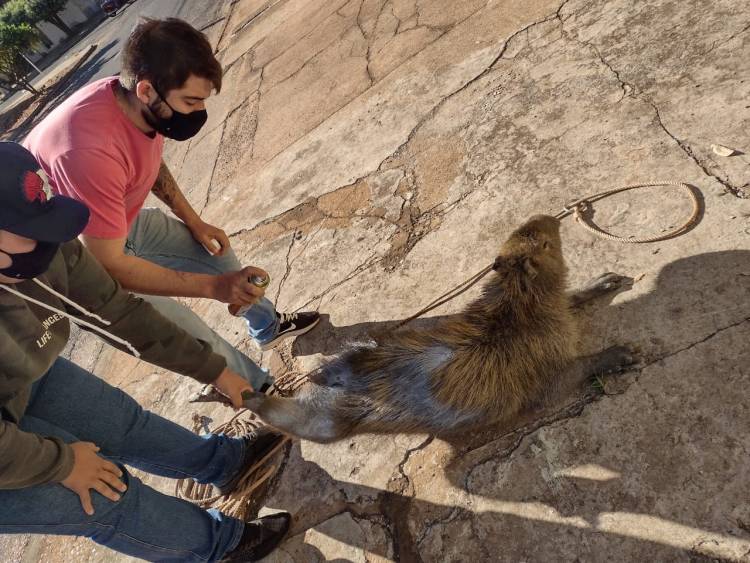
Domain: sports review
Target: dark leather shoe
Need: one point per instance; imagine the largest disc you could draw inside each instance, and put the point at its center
(260, 538)
(257, 445)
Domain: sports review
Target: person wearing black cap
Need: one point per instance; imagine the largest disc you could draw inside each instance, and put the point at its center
(64, 432)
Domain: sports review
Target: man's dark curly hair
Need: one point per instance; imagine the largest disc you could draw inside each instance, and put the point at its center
(167, 52)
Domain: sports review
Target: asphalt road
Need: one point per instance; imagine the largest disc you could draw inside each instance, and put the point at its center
(112, 32)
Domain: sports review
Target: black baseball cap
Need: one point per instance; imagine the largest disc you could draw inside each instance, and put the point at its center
(28, 207)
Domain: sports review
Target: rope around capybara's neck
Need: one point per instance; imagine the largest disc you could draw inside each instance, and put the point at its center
(578, 208)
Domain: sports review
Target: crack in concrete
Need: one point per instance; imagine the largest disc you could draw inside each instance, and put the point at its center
(395, 502)
(184, 156)
(380, 14)
(441, 30)
(213, 169)
(367, 40)
(418, 12)
(518, 435)
(359, 19)
(257, 113)
(226, 17)
(488, 69)
(311, 59)
(296, 236)
(626, 87)
(694, 344)
(288, 268)
(402, 482)
(82, 337)
(735, 191)
(212, 23)
(631, 90)
(251, 19)
(395, 510)
(430, 524)
(717, 44)
(416, 225)
(366, 265)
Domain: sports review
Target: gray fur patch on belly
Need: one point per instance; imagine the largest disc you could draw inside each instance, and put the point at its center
(413, 389)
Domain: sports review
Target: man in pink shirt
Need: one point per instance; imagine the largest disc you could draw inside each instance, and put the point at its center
(103, 146)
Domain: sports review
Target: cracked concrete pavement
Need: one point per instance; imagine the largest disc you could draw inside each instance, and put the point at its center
(370, 154)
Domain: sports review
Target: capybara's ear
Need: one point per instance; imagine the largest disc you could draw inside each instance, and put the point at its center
(529, 267)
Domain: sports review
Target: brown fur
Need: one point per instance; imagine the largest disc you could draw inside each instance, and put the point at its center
(488, 363)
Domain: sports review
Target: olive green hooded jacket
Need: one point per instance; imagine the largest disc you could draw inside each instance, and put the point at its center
(35, 320)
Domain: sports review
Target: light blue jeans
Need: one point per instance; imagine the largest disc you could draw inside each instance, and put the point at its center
(73, 404)
(167, 242)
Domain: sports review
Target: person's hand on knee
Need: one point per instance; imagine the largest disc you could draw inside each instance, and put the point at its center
(213, 239)
(91, 471)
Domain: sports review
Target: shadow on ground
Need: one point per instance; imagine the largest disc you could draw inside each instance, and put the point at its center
(689, 296)
(398, 507)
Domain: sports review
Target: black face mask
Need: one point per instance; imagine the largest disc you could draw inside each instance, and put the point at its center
(29, 265)
(181, 126)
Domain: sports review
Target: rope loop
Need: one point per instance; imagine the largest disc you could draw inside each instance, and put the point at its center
(238, 503)
(581, 206)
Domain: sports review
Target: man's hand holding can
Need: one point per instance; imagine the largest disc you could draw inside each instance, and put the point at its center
(258, 280)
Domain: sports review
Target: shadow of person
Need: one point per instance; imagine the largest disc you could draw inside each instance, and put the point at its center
(395, 526)
(662, 438)
(691, 300)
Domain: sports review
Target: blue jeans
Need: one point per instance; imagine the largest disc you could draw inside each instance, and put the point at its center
(167, 242)
(70, 403)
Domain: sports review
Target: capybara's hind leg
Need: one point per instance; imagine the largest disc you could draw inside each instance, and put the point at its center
(616, 359)
(301, 418)
(600, 286)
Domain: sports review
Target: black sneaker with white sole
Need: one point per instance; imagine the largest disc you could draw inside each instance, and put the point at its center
(292, 324)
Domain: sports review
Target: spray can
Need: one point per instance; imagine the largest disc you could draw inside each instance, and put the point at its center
(260, 281)
(257, 281)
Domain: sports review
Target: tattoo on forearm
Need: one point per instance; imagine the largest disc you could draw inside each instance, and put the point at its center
(165, 187)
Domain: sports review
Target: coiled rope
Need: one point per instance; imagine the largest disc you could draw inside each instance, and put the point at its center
(580, 206)
(237, 503)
